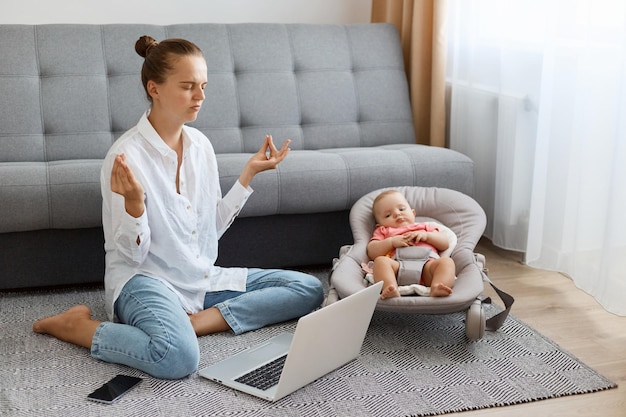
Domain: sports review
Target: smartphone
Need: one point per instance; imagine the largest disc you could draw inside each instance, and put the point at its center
(114, 389)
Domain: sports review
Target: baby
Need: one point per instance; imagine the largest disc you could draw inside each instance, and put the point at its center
(396, 228)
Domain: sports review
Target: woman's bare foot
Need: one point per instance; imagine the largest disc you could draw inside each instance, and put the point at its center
(440, 290)
(390, 291)
(73, 325)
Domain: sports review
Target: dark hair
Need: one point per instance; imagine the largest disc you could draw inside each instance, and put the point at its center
(161, 57)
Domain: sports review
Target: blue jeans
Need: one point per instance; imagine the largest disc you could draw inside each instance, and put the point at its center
(155, 334)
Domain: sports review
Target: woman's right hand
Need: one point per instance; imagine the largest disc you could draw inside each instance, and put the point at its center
(123, 182)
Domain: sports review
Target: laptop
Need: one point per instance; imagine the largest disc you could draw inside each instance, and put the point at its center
(323, 341)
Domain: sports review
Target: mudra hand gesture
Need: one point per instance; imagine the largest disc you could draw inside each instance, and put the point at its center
(267, 157)
(123, 182)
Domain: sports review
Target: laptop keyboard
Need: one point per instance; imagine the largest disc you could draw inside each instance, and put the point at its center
(265, 376)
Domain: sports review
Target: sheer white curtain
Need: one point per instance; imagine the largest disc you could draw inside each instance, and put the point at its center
(538, 100)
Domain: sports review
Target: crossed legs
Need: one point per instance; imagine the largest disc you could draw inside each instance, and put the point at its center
(157, 336)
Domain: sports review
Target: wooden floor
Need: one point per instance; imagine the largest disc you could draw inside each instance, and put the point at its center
(551, 303)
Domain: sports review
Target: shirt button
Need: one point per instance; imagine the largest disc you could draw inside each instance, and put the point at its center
(193, 232)
(188, 207)
(206, 276)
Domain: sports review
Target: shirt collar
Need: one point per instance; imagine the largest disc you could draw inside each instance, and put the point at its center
(150, 134)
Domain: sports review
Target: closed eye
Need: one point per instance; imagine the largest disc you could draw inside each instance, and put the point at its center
(188, 85)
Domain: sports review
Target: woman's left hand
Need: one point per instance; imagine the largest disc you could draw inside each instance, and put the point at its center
(268, 157)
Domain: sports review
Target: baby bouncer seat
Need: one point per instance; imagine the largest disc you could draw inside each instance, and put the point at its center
(464, 221)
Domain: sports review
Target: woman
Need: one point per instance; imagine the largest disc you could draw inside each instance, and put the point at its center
(163, 213)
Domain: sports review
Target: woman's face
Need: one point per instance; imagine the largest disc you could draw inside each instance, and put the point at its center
(180, 97)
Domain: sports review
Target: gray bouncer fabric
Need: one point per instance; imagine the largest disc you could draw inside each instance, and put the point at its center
(455, 210)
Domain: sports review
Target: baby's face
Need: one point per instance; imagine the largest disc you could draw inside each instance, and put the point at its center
(393, 210)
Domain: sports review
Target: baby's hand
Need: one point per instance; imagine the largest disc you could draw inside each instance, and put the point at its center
(416, 236)
(400, 241)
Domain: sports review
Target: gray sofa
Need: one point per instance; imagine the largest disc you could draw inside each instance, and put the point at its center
(339, 92)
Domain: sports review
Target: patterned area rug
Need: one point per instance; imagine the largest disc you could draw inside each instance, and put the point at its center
(410, 365)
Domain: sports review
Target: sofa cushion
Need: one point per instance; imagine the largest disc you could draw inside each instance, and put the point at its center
(333, 179)
(55, 195)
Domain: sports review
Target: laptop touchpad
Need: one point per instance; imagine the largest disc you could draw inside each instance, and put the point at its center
(267, 351)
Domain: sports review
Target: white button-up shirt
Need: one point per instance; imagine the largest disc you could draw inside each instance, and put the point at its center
(178, 233)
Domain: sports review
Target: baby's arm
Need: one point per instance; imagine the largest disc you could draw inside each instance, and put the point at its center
(435, 238)
(376, 248)
(438, 239)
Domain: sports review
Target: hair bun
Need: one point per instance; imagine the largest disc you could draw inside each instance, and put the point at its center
(144, 44)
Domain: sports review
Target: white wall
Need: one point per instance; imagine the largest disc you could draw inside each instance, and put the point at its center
(184, 11)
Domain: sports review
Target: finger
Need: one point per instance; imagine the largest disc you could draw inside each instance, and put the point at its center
(128, 173)
(264, 147)
(119, 165)
(285, 147)
(125, 177)
(115, 171)
(284, 150)
(125, 169)
(270, 147)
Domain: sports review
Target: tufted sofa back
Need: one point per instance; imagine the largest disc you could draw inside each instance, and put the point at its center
(68, 91)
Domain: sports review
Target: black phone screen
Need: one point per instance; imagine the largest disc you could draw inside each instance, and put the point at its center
(114, 389)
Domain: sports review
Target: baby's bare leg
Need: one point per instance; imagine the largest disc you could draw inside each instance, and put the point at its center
(385, 270)
(73, 325)
(439, 274)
